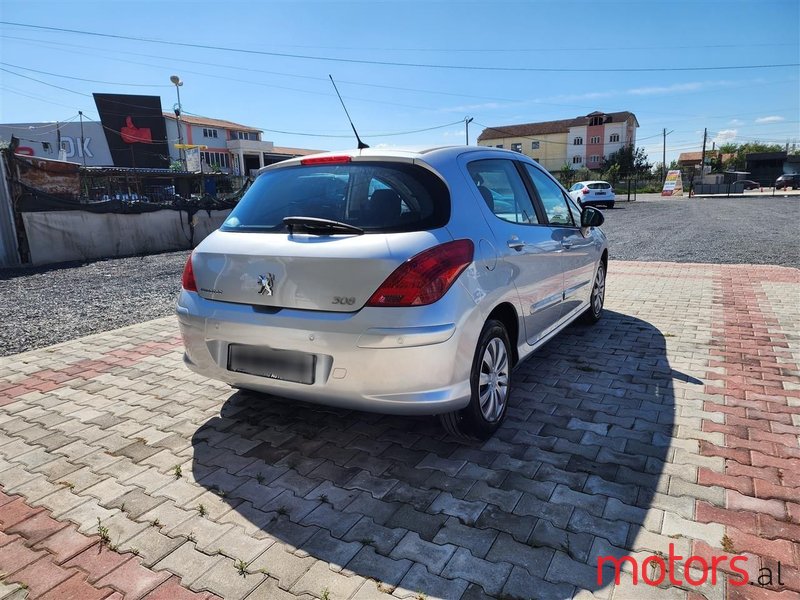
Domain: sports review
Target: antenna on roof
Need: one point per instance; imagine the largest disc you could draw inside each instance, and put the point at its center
(361, 145)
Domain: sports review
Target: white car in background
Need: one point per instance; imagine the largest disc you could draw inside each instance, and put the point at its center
(588, 193)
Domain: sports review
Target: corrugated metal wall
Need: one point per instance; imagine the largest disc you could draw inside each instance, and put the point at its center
(9, 255)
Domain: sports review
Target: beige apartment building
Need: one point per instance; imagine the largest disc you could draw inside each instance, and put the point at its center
(584, 141)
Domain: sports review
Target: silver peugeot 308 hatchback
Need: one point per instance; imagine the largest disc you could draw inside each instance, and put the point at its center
(393, 281)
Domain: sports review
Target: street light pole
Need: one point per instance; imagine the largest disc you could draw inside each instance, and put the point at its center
(83, 143)
(178, 83)
(467, 121)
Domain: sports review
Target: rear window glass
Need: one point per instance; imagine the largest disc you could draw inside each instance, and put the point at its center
(375, 196)
(599, 186)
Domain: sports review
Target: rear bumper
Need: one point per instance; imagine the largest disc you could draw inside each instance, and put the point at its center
(601, 200)
(419, 365)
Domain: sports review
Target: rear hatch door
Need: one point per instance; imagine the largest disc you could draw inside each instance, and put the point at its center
(394, 209)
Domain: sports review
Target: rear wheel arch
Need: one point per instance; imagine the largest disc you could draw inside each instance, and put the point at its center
(507, 315)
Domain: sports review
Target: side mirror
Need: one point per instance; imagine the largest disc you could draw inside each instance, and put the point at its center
(591, 217)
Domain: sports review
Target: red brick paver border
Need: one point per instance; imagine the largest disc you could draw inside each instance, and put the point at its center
(53, 560)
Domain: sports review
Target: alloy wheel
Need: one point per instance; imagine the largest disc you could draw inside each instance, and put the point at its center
(599, 290)
(493, 381)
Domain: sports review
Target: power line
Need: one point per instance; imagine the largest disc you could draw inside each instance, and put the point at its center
(401, 64)
(50, 43)
(34, 129)
(308, 77)
(391, 134)
(149, 85)
(43, 82)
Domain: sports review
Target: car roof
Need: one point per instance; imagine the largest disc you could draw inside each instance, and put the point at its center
(592, 181)
(408, 153)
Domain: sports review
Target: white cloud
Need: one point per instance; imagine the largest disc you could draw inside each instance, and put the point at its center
(736, 122)
(660, 90)
(726, 135)
(669, 89)
(467, 108)
(770, 119)
(458, 133)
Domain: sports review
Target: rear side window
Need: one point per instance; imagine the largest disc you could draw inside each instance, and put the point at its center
(553, 200)
(599, 186)
(375, 196)
(503, 191)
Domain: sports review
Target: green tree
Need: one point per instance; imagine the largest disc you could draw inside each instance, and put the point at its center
(629, 160)
(655, 170)
(611, 174)
(565, 175)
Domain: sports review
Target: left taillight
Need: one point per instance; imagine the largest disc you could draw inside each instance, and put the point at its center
(425, 278)
(187, 280)
(585, 190)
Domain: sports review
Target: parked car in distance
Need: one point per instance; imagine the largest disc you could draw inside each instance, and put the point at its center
(393, 281)
(746, 184)
(588, 193)
(789, 180)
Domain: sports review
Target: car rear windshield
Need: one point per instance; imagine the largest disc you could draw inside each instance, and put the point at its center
(599, 186)
(375, 196)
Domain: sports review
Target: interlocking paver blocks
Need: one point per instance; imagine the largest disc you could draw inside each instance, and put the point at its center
(675, 421)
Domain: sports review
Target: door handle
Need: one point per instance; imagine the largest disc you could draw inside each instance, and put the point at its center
(566, 244)
(515, 244)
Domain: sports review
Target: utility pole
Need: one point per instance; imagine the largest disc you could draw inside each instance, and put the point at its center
(467, 121)
(58, 139)
(664, 133)
(703, 156)
(83, 148)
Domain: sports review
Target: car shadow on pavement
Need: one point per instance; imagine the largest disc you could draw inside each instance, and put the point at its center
(569, 477)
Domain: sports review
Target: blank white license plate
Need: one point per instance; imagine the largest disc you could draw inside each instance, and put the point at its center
(285, 365)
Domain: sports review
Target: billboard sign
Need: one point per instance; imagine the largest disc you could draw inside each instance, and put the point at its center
(193, 159)
(135, 130)
(42, 141)
(673, 184)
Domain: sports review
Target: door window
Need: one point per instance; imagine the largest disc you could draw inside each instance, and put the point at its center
(553, 201)
(503, 191)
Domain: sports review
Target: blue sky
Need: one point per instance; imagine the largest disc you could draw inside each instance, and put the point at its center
(294, 95)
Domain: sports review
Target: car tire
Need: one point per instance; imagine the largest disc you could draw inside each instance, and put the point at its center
(595, 311)
(489, 400)
(610, 205)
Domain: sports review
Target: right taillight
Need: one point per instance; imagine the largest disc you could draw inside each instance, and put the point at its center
(187, 279)
(426, 277)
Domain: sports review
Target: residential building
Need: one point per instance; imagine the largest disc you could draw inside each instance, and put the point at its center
(584, 141)
(230, 147)
(687, 160)
(544, 142)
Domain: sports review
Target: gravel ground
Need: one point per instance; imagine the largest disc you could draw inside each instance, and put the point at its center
(706, 230)
(47, 305)
(54, 304)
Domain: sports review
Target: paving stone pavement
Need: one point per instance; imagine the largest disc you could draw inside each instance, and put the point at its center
(673, 423)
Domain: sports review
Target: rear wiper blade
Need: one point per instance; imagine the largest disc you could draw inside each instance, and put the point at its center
(314, 224)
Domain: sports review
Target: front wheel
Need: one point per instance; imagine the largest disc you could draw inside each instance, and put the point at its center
(595, 310)
(490, 383)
